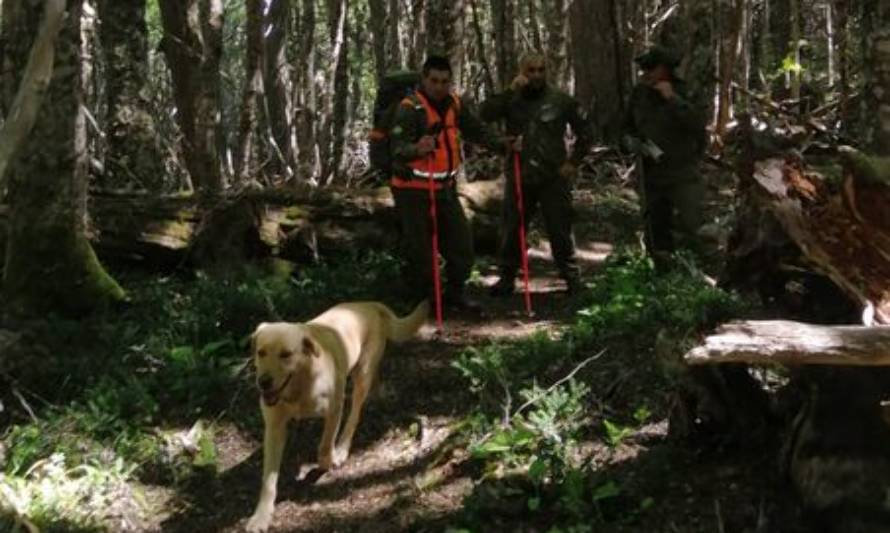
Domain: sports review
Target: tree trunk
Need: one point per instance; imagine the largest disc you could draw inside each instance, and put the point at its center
(50, 265)
(394, 36)
(503, 20)
(133, 157)
(379, 35)
(253, 91)
(602, 79)
(416, 33)
(330, 139)
(555, 15)
(443, 19)
(730, 48)
(276, 79)
(192, 45)
(842, 39)
(488, 78)
(877, 80)
(535, 26)
(307, 109)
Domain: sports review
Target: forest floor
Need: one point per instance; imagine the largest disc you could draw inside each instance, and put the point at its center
(404, 475)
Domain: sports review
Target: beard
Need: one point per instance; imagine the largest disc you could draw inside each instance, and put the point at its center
(534, 88)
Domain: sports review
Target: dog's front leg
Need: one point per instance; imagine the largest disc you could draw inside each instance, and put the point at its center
(331, 426)
(274, 438)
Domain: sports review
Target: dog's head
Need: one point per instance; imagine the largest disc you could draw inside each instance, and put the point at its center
(279, 350)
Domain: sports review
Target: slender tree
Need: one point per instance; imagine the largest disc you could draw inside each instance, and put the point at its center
(253, 88)
(276, 79)
(192, 44)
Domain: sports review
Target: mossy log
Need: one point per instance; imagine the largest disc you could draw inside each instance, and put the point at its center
(298, 225)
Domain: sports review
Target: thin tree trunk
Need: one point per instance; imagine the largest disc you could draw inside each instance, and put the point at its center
(488, 78)
(877, 83)
(307, 110)
(841, 10)
(193, 46)
(534, 25)
(795, 53)
(555, 15)
(729, 54)
(253, 90)
(379, 35)
(50, 265)
(503, 20)
(341, 92)
(331, 129)
(276, 74)
(393, 35)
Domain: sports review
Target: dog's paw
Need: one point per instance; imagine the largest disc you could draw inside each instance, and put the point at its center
(340, 456)
(258, 523)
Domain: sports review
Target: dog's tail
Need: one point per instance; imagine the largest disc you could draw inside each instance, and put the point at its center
(402, 329)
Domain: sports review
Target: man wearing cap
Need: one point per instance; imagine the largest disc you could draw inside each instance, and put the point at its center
(668, 131)
(539, 114)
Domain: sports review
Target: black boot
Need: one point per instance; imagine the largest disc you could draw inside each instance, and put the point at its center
(457, 300)
(573, 285)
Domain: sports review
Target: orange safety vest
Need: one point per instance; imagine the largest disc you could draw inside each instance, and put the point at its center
(443, 163)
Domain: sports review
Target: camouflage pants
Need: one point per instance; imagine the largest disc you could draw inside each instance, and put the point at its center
(554, 197)
(455, 239)
(672, 209)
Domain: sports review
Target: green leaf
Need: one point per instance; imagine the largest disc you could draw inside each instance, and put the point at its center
(606, 491)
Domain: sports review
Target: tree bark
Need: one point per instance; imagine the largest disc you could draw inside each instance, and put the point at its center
(488, 77)
(503, 20)
(253, 90)
(379, 36)
(49, 264)
(794, 343)
(877, 80)
(192, 44)
(602, 78)
(555, 15)
(35, 79)
(307, 110)
(443, 19)
(276, 79)
(330, 139)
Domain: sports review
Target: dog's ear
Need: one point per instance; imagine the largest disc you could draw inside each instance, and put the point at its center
(309, 347)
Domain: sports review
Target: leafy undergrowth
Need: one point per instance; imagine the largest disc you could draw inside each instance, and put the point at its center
(551, 414)
(123, 400)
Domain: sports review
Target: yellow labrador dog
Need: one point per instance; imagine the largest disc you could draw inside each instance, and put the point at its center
(302, 370)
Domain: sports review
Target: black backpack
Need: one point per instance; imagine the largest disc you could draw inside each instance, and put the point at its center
(391, 90)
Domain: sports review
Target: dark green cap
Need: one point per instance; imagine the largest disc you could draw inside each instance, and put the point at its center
(657, 55)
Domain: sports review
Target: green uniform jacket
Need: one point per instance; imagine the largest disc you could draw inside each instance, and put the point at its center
(677, 126)
(409, 125)
(541, 119)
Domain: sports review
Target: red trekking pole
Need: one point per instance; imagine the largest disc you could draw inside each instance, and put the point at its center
(437, 282)
(517, 179)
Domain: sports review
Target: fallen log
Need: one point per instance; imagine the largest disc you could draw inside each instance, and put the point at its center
(793, 343)
(298, 225)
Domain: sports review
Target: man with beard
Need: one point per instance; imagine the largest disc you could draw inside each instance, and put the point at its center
(539, 114)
